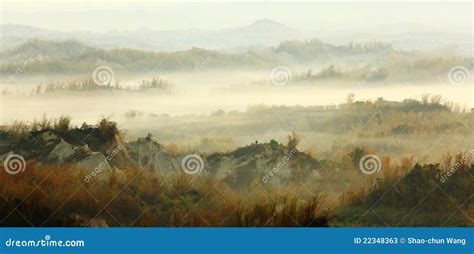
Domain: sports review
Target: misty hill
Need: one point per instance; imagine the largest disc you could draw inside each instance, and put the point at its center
(260, 33)
(72, 56)
(89, 146)
(34, 49)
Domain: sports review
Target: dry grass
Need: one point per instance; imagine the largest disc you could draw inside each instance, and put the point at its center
(52, 196)
(423, 195)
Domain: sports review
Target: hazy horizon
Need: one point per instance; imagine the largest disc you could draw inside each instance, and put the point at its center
(307, 16)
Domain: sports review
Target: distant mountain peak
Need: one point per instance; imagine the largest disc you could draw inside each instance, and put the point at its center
(267, 23)
(267, 28)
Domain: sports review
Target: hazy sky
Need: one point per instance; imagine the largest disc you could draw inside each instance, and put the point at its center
(127, 15)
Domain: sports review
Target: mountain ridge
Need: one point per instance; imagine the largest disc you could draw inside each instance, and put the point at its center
(73, 56)
(263, 32)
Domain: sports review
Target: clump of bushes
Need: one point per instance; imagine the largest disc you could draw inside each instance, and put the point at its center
(420, 197)
(58, 196)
